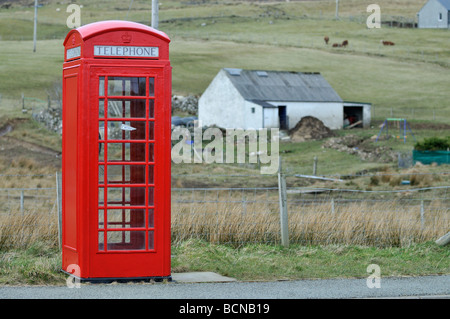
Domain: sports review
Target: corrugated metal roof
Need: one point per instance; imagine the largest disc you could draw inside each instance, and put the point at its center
(282, 86)
(264, 104)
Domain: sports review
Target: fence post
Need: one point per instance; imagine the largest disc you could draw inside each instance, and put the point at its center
(315, 166)
(283, 206)
(422, 215)
(59, 206)
(21, 201)
(244, 205)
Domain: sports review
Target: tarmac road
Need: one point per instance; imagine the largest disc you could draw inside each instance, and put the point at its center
(401, 287)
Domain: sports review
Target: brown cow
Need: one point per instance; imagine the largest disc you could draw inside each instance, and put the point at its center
(326, 39)
(387, 42)
(345, 43)
(336, 45)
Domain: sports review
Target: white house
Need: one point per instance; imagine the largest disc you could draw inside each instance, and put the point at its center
(238, 98)
(435, 14)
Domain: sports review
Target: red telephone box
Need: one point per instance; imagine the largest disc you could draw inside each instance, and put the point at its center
(116, 152)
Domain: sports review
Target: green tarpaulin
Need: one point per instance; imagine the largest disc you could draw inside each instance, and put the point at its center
(429, 157)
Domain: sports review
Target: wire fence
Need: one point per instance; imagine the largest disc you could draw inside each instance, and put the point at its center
(27, 215)
(315, 216)
(238, 216)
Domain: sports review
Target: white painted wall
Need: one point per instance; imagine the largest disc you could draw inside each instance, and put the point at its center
(330, 113)
(252, 120)
(221, 104)
(271, 119)
(367, 113)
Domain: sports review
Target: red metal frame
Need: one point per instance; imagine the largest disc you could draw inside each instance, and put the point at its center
(87, 208)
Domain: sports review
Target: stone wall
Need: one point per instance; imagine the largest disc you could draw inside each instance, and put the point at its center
(51, 118)
(188, 104)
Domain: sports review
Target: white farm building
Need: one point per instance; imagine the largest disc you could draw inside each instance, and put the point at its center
(238, 98)
(435, 14)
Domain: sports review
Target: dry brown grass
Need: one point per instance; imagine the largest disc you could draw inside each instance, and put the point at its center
(27, 215)
(220, 220)
(22, 230)
(225, 222)
(381, 224)
(390, 223)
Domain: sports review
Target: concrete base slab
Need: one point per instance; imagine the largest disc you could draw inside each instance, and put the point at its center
(200, 277)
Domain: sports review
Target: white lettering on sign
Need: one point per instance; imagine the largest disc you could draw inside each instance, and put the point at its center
(73, 53)
(126, 51)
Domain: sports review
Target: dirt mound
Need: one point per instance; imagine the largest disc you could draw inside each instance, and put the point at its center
(366, 149)
(8, 126)
(309, 128)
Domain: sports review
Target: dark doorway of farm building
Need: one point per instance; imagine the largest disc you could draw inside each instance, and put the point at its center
(283, 117)
(353, 115)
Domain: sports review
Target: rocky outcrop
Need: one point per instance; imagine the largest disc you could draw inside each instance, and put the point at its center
(188, 104)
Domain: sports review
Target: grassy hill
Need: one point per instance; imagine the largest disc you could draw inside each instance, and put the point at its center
(407, 80)
(409, 77)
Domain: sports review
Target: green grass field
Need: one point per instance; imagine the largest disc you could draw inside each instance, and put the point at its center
(402, 86)
(40, 264)
(408, 79)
